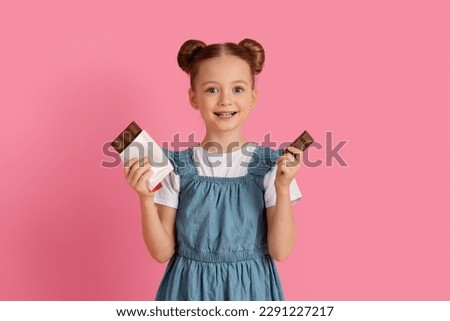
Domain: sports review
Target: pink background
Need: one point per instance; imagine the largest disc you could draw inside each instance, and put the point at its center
(374, 73)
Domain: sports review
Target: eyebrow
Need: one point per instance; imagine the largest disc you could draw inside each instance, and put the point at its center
(216, 82)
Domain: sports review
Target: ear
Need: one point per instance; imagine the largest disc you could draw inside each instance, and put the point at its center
(192, 98)
(254, 98)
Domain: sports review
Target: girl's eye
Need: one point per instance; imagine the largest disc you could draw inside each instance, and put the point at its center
(212, 90)
(238, 89)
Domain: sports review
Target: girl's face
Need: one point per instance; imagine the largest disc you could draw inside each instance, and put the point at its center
(223, 93)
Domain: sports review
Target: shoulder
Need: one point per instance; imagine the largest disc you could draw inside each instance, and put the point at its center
(263, 160)
(179, 159)
(266, 156)
(172, 154)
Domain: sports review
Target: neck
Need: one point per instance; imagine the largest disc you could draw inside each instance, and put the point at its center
(223, 142)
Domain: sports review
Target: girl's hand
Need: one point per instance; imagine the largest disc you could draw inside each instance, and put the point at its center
(288, 167)
(137, 172)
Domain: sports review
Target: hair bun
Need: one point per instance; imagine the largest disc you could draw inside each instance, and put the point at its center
(187, 53)
(257, 52)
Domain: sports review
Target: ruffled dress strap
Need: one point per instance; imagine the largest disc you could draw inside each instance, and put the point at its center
(182, 163)
(263, 160)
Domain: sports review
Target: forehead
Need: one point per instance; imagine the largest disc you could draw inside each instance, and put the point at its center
(224, 68)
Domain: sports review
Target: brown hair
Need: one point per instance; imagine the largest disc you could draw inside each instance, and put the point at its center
(192, 52)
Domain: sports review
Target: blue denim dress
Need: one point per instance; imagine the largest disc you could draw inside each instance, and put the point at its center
(221, 235)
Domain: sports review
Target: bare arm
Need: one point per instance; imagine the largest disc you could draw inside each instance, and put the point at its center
(281, 232)
(158, 229)
(158, 222)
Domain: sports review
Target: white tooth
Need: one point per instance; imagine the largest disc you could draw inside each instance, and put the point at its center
(225, 114)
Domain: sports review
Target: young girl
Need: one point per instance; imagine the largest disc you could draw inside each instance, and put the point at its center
(224, 214)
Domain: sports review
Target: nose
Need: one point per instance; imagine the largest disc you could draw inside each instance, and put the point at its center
(225, 99)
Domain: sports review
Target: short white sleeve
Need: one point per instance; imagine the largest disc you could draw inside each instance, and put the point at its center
(168, 194)
(270, 194)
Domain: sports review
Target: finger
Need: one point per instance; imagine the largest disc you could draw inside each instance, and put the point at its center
(139, 172)
(281, 160)
(297, 153)
(293, 149)
(288, 157)
(139, 168)
(127, 166)
(298, 158)
(130, 162)
(145, 180)
(136, 165)
(140, 162)
(281, 163)
(289, 161)
(137, 175)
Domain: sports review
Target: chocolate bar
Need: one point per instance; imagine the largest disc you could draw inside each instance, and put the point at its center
(134, 142)
(126, 137)
(302, 142)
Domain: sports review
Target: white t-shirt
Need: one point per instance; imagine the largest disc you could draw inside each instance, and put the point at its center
(222, 165)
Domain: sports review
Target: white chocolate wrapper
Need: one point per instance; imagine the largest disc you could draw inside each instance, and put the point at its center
(144, 145)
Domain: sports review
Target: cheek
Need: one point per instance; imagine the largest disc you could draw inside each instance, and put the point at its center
(208, 102)
(245, 101)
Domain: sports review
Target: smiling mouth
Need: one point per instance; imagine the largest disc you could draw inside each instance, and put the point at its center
(227, 114)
